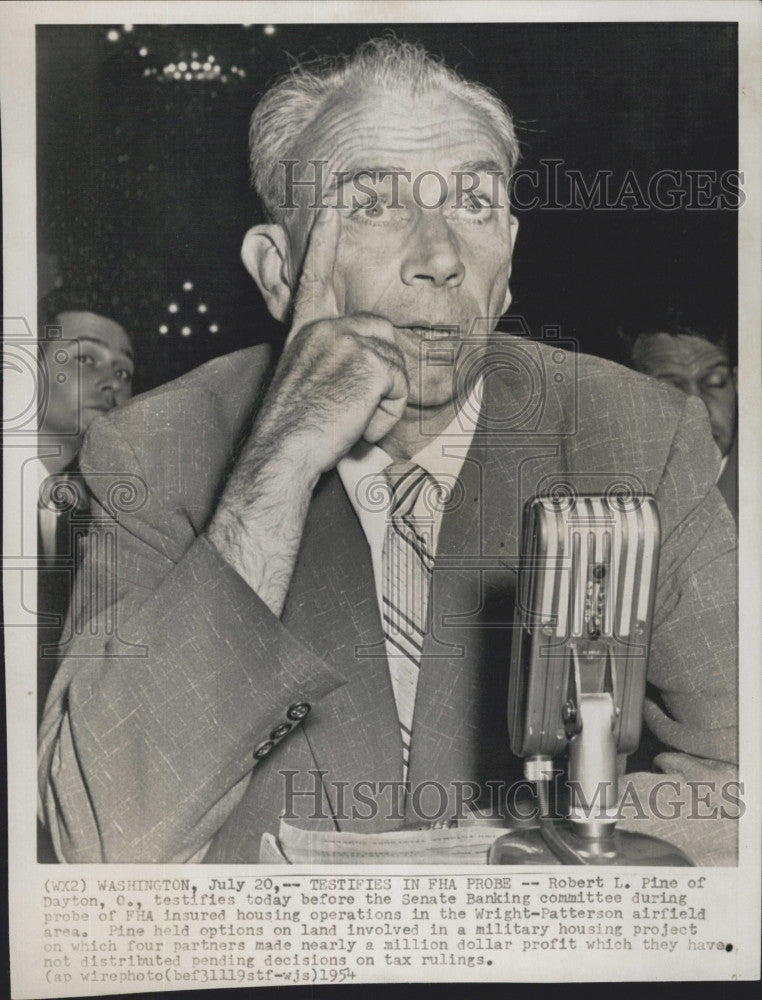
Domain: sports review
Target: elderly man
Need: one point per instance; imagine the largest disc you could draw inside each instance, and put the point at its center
(268, 645)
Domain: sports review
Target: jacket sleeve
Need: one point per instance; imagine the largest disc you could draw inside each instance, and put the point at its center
(694, 658)
(175, 673)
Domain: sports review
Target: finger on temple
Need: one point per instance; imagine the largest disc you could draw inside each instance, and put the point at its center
(315, 296)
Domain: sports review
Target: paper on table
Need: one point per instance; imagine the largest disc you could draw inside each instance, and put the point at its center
(468, 843)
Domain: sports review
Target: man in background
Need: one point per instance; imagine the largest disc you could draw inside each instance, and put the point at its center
(696, 359)
(87, 364)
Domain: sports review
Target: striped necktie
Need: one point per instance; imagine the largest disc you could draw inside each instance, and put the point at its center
(408, 559)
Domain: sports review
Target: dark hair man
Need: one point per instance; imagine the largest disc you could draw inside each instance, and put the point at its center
(275, 652)
(696, 361)
(87, 362)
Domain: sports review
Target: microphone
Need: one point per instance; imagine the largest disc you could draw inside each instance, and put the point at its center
(583, 618)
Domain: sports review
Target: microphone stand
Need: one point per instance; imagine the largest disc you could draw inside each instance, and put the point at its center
(581, 838)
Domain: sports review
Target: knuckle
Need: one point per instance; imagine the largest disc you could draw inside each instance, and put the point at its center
(346, 342)
(317, 330)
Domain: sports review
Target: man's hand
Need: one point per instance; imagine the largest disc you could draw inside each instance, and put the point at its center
(340, 378)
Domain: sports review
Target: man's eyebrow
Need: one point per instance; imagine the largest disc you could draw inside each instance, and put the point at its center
(97, 340)
(718, 364)
(342, 177)
(678, 371)
(479, 167)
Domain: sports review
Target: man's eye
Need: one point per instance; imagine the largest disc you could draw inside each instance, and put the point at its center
(716, 382)
(474, 207)
(477, 202)
(370, 208)
(87, 359)
(125, 375)
(375, 210)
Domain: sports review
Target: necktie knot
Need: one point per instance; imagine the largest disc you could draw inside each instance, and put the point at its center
(415, 497)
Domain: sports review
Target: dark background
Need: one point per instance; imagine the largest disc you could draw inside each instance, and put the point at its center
(143, 180)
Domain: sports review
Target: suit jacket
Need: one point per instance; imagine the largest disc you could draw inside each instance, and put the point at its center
(187, 717)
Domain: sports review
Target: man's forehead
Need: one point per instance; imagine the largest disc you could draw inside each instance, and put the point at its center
(89, 327)
(379, 128)
(680, 354)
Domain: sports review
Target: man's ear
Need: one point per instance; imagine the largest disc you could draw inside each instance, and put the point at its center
(514, 227)
(266, 254)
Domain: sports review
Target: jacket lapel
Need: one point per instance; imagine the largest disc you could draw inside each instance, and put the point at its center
(460, 722)
(332, 607)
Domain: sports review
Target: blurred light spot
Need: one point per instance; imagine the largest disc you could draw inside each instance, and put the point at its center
(186, 331)
(173, 307)
(143, 51)
(202, 307)
(113, 36)
(213, 328)
(163, 328)
(269, 29)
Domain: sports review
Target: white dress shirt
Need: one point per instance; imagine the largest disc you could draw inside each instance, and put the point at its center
(47, 518)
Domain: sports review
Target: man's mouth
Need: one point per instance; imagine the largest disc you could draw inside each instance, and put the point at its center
(432, 331)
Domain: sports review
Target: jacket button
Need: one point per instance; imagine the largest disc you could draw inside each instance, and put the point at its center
(299, 711)
(264, 749)
(280, 731)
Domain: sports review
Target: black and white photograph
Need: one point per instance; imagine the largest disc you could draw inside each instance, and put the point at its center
(381, 421)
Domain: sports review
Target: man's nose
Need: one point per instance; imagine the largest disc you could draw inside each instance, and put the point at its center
(109, 381)
(432, 256)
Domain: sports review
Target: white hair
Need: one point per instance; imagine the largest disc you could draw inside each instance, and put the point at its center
(292, 104)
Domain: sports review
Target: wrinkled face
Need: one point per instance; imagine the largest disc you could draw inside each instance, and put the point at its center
(700, 369)
(426, 234)
(89, 372)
